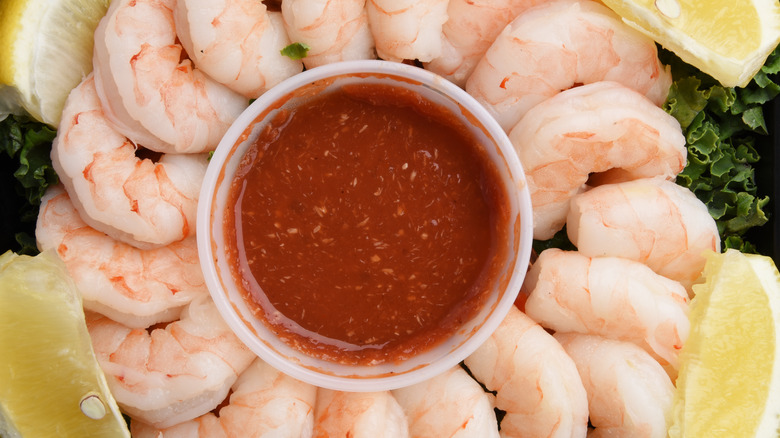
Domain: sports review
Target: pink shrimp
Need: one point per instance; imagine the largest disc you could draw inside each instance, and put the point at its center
(559, 44)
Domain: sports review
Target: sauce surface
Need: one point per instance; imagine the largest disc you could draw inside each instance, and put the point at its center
(367, 224)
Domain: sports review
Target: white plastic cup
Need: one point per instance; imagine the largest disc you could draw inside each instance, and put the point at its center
(254, 333)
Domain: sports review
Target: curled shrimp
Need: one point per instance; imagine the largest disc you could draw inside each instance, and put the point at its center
(333, 30)
(167, 375)
(407, 29)
(536, 382)
(629, 394)
(559, 44)
(148, 92)
(451, 404)
(236, 42)
(471, 28)
(135, 287)
(611, 297)
(650, 220)
(138, 201)
(263, 402)
(358, 415)
(593, 134)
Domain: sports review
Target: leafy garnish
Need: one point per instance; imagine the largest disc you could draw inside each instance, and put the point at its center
(721, 127)
(295, 51)
(27, 147)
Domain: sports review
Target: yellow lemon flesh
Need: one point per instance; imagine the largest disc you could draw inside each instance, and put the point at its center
(729, 380)
(728, 39)
(45, 51)
(50, 381)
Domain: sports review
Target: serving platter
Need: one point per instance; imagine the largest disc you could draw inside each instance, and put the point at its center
(766, 238)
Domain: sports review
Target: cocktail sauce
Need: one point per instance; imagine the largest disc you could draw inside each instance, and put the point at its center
(368, 224)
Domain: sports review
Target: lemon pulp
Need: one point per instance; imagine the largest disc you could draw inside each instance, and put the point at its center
(729, 381)
(50, 381)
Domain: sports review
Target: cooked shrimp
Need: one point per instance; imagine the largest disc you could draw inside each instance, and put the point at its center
(594, 134)
(333, 30)
(559, 44)
(451, 404)
(135, 287)
(148, 92)
(471, 28)
(236, 42)
(167, 375)
(407, 29)
(137, 201)
(651, 220)
(609, 296)
(629, 394)
(358, 414)
(536, 382)
(263, 403)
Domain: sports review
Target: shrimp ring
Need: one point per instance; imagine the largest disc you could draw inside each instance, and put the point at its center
(149, 93)
(651, 220)
(236, 42)
(559, 44)
(165, 376)
(597, 133)
(137, 201)
(536, 382)
(138, 288)
(263, 402)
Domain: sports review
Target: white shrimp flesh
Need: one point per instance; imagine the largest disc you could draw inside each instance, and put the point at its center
(629, 393)
(135, 287)
(594, 134)
(650, 220)
(238, 43)
(536, 382)
(152, 95)
(609, 296)
(140, 201)
(556, 45)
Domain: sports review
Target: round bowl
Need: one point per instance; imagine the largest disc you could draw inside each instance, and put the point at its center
(223, 286)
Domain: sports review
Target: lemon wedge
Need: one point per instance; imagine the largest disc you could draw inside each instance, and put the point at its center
(50, 381)
(729, 380)
(728, 39)
(45, 51)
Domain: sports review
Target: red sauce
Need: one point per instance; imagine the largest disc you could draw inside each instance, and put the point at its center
(367, 224)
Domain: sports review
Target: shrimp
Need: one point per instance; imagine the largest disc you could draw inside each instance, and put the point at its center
(163, 376)
(148, 92)
(650, 220)
(235, 42)
(137, 288)
(358, 414)
(471, 28)
(407, 29)
(333, 30)
(536, 383)
(593, 134)
(629, 394)
(451, 404)
(559, 44)
(143, 203)
(263, 402)
(611, 297)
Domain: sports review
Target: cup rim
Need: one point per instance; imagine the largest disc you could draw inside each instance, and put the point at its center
(205, 223)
